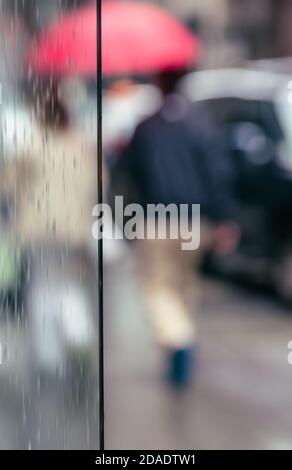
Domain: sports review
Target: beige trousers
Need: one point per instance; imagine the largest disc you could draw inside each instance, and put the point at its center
(172, 287)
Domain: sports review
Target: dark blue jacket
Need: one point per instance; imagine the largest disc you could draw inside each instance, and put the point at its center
(176, 157)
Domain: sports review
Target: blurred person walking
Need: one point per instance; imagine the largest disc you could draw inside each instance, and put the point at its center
(176, 158)
(51, 189)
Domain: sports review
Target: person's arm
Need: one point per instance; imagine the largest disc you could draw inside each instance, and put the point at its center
(16, 177)
(218, 179)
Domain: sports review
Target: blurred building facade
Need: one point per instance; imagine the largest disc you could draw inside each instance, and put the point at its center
(263, 26)
(235, 30)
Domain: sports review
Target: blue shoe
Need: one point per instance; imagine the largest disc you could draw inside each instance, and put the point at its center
(182, 366)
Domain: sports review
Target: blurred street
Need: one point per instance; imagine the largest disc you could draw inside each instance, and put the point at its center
(196, 131)
(242, 397)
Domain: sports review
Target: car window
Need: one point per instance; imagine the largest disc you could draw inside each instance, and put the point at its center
(234, 110)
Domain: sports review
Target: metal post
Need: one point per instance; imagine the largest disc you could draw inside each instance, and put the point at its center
(100, 241)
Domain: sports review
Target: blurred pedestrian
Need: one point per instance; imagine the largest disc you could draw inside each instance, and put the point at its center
(52, 190)
(176, 157)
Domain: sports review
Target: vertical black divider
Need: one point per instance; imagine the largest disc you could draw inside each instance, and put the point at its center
(100, 240)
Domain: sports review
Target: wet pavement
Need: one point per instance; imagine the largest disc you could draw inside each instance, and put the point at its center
(241, 399)
(242, 396)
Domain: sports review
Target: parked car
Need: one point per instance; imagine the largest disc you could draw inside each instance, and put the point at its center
(253, 111)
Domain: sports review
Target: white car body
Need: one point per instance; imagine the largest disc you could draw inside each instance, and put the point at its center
(247, 84)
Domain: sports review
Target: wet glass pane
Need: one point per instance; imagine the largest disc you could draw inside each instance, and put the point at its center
(196, 111)
(48, 179)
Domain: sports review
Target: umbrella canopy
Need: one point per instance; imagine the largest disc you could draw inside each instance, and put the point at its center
(136, 38)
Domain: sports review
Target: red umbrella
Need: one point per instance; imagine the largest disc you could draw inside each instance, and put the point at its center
(136, 38)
